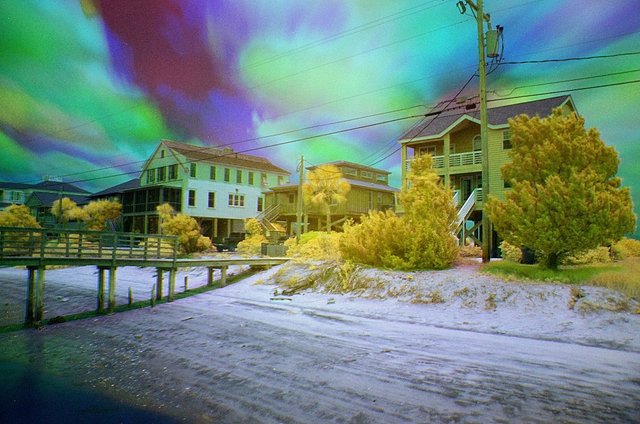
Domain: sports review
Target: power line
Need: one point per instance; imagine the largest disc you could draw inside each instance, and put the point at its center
(568, 89)
(569, 59)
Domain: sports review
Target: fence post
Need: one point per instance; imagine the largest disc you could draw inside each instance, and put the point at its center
(114, 249)
(31, 296)
(1, 243)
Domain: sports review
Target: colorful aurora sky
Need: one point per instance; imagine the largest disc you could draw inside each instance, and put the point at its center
(89, 88)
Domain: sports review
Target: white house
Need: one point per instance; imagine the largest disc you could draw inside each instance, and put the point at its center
(217, 186)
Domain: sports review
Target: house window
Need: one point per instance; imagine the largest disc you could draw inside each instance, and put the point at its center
(173, 172)
(192, 170)
(16, 196)
(151, 176)
(263, 179)
(477, 143)
(431, 150)
(239, 176)
(366, 174)
(260, 204)
(292, 198)
(506, 139)
(280, 180)
(162, 153)
(162, 173)
(1, 194)
(349, 171)
(192, 197)
(227, 175)
(212, 172)
(381, 177)
(250, 178)
(236, 200)
(212, 199)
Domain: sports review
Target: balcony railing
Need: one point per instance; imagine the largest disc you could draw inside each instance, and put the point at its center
(455, 159)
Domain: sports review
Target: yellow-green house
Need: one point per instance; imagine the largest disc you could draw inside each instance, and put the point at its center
(452, 138)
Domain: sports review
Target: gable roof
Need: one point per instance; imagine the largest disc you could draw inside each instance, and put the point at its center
(340, 163)
(46, 199)
(496, 117)
(10, 185)
(57, 186)
(226, 156)
(119, 188)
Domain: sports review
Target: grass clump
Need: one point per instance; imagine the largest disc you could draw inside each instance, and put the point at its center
(624, 277)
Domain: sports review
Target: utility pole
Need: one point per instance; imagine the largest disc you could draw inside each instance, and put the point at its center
(481, 17)
(299, 204)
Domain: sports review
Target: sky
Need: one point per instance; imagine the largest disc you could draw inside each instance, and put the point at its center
(88, 88)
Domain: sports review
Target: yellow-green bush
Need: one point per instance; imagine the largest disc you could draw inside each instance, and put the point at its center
(510, 252)
(17, 216)
(315, 245)
(252, 245)
(599, 255)
(470, 251)
(626, 248)
(186, 228)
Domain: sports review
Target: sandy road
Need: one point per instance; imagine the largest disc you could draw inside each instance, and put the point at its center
(235, 355)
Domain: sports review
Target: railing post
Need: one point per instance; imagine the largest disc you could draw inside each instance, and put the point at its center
(1, 243)
(79, 245)
(30, 314)
(100, 289)
(114, 249)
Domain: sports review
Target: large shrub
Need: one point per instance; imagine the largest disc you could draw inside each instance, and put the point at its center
(252, 245)
(626, 248)
(185, 227)
(315, 245)
(17, 216)
(422, 238)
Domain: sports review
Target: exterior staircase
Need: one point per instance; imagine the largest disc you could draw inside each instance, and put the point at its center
(267, 217)
(465, 210)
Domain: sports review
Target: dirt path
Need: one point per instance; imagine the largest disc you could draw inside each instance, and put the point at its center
(235, 355)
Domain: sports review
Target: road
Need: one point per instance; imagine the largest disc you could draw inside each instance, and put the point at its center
(238, 355)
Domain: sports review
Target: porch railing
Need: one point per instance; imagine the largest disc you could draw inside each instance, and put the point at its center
(455, 159)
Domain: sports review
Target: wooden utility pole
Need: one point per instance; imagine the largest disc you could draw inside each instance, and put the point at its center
(299, 204)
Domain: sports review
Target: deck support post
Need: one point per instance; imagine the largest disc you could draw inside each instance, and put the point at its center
(159, 282)
(223, 277)
(100, 307)
(40, 294)
(210, 271)
(30, 314)
(172, 284)
(112, 288)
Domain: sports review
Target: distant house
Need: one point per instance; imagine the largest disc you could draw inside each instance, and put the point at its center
(218, 187)
(39, 197)
(453, 140)
(370, 191)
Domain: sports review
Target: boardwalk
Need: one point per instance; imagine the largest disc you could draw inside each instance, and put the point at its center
(36, 249)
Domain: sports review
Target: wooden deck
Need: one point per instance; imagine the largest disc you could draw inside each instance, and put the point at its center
(36, 249)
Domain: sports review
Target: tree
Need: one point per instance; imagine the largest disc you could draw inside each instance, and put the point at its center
(565, 195)
(17, 216)
(422, 238)
(185, 227)
(98, 212)
(65, 210)
(325, 187)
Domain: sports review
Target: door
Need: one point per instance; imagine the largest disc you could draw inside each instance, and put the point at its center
(466, 184)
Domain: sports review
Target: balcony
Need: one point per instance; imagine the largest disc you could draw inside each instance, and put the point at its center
(455, 160)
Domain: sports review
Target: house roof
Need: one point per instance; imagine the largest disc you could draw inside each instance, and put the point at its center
(340, 163)
(358, 183)
(43, 198)
(119, 188)
(58, 186)
(224, 156)
(496, 116)
(10, 185)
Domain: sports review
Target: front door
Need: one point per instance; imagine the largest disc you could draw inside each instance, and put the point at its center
(466, 184)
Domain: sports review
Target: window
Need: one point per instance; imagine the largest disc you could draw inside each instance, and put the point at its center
(263, 179)
(349, 171)
(260, 204)
(1, 194)
(427, 150)
(212, 172)
(381, 177)
(366, 174)
(192, 197)
(507, 184)
(280, 180)
(236, 200)
(212, 200)
(239, 176)
(292, 198)
(162, 173)
(192, 170)
(151, 176)
(506, 139)
(250, 178)
(162, 153)
(16, 196)
(173, 172)
(227, 175)
(477, 143)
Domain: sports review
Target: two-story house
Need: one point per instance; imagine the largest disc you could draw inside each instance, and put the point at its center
(453, 140)
(218, 187)
(370, 191)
